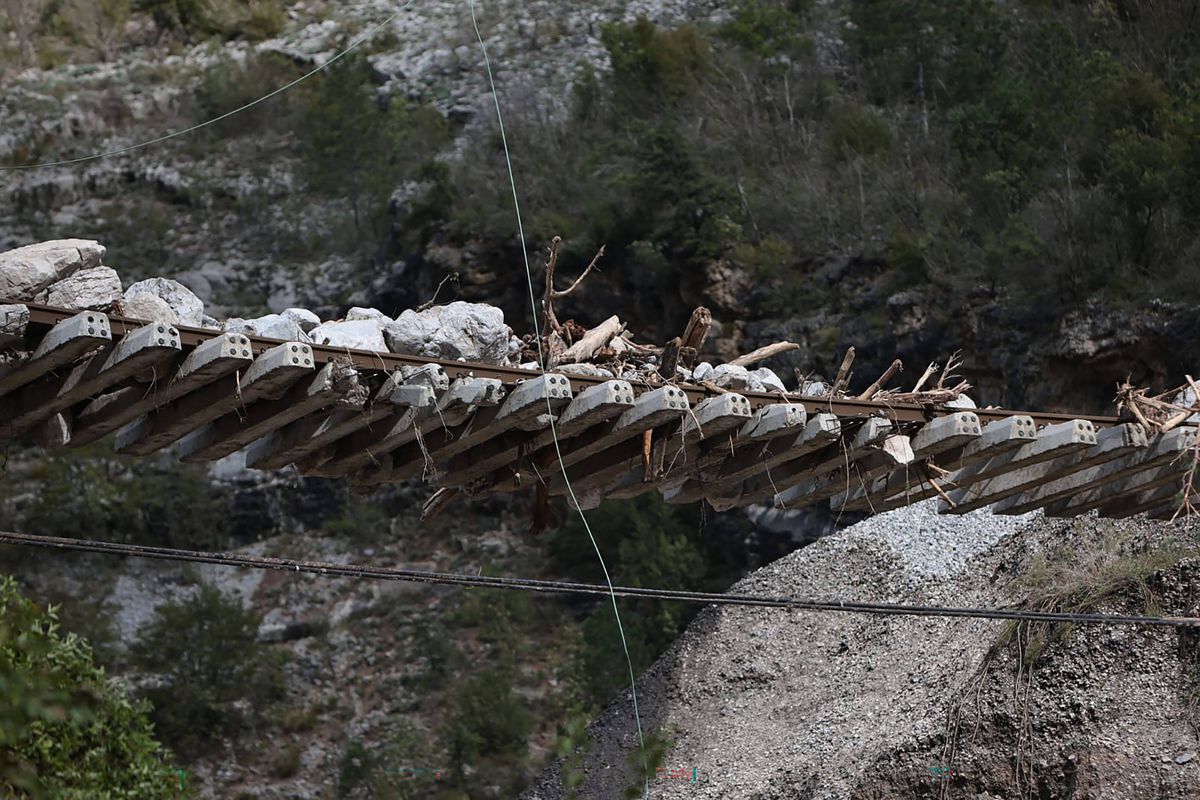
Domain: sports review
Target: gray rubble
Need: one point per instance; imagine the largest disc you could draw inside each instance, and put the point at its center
(776, 703)
(272, 326)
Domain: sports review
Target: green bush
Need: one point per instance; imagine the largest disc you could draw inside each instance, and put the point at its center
(227, 19)
(205, 655)
(67, 731)
(489, 719)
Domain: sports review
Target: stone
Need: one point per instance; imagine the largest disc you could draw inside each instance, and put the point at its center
(458, 330)
(357, 313)
(702, 371)
(96, 288)
(149, 307)
(583, 369)
(1184, 758)
(210, 322)
(767, 377)
(305, 319)
(355, 334)
(731, 376)
(188, 308)
(13, 321)
(28, 270)
(814, 389)
(962, 401)
(272, 326)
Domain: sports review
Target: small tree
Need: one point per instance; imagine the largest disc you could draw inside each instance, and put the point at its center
(206, 652)
(67, 731)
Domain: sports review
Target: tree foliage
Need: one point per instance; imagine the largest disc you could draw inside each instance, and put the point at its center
(68, 731)
(205, 655)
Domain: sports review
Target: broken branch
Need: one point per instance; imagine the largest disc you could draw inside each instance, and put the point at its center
(888, 374)
(763, 353)
(843, 374)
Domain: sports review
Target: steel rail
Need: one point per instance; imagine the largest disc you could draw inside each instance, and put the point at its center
(43, 317)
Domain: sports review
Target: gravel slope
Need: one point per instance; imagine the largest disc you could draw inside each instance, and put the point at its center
(795, 704)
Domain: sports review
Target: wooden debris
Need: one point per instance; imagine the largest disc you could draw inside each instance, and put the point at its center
(888, 374)
(592, 341)
(696, 332)
(763, 353)
(843, 373)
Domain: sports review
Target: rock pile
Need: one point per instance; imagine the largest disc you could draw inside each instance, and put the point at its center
(68, 273)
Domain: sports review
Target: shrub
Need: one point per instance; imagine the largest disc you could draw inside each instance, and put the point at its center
(67, 730)
(205, 653)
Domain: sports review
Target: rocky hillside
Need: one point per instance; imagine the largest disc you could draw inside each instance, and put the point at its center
(786, 704)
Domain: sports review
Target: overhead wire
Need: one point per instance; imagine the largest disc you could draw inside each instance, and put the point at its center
(550, 410)
(175, 134)
(331, 569)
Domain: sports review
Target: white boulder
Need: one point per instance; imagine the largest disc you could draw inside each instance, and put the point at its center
(304, 318)
(366, 313)
(272, 326)
(149, 307)
(731, 376)
(702, 372)
(814, 389)
(96, 288)
(188, 308)
(767, 377)
(28, 270)
(962, 401)
(458, 330)
(355, 334)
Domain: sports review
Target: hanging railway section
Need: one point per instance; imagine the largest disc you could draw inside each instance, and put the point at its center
(69, 378)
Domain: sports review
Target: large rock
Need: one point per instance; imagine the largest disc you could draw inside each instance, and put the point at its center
(96, 288)
(28, 270)
(469, 331)
(187, 307)
(306, 319)
(272, 326)
(149, 307)
(356, 334)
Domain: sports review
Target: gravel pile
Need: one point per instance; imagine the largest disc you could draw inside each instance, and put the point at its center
(794, 704)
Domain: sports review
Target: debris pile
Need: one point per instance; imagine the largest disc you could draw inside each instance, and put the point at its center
(68, 273)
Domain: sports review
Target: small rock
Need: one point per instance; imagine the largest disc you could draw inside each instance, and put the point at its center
(1184, 758)
(529, 365)
(702, 371)
(583, 369)
(210, 322)
(28, 270)
(729, 376)
(304, 318)
(358, 334)
(95, 288)
(962, 401)
(272, 326)
(13, 321)
(188, 308)
(357, 313)
(814, 389)
(471, 331)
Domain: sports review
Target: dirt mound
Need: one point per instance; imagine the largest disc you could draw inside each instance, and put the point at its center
(761, 703)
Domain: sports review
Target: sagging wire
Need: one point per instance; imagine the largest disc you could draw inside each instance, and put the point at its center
(354, 45)
(537, 335)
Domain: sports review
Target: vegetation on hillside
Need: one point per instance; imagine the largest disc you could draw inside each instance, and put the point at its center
(1043, 150)
(67, 730)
